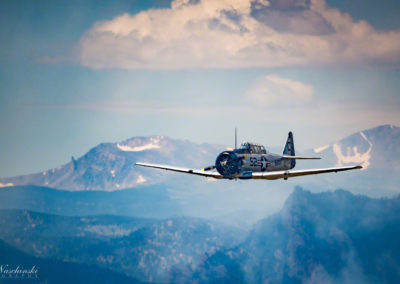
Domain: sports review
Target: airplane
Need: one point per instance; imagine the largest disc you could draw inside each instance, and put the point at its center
(252, 161)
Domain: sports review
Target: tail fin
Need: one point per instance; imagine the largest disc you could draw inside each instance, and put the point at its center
(289, 149)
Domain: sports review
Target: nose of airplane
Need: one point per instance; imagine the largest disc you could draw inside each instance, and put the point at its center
(227, 163)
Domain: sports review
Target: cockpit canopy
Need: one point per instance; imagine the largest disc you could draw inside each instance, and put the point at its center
(251, 148)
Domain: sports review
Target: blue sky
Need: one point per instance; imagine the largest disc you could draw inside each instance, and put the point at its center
(74, 74)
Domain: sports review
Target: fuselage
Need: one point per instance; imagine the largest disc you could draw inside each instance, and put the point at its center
(264, 163)
(250, 157)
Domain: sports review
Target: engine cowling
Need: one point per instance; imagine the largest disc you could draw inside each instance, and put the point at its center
(228, 163)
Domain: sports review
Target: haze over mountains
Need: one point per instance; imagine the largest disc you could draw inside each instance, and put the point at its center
(110, 166)
(131, 224)
(139, 248)
(330, 237)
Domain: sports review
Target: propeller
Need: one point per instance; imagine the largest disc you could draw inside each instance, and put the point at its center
(209, 168)
(227, 162)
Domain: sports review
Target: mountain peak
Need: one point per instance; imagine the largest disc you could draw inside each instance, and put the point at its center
(375, 147)
(139, 144)
(381, 127)
(300, 195)
(381, 130)
(111, 166)
(302, 198)
(145, 138)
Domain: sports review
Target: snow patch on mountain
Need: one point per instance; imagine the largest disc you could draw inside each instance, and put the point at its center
(352, 155)
(149, 146)
(153, 144)
(320, 149)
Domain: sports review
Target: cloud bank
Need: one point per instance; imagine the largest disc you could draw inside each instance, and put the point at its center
(237, 34)
(274, 90)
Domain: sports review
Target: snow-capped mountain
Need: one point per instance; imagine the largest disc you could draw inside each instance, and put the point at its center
(375, 148)
(111, 166)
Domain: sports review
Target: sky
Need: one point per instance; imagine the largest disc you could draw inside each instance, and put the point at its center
(74, 74)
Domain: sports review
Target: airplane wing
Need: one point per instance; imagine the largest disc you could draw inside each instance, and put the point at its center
(299, 158)
(252, 175)
(296, 173)
(182, 170)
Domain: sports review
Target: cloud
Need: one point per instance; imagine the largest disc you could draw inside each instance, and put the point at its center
(140, 107)
(274, 90)
(237, 34)
(329, 114)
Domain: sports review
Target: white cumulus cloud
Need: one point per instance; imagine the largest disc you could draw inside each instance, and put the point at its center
(237, 34)
(274, 90)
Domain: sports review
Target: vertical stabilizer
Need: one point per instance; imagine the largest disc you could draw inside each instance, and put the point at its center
(289, 149)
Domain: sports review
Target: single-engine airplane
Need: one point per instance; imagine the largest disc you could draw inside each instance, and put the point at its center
(252, 161)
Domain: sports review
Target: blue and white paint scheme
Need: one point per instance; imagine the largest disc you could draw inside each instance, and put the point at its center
(252, 161)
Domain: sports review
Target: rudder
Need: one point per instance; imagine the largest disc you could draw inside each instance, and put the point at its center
(289, 148)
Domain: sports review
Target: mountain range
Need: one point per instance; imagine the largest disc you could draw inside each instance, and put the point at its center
(106, 221)
(94, 178)
(145, 249)
(328, 237)
(144, 202)
(111, 166)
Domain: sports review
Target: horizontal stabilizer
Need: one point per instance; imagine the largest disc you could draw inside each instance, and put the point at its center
(300, 158)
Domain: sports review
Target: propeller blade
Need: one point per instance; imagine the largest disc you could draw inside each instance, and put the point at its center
(208, 168)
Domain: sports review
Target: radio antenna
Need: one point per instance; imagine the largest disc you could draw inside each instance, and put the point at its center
(235, 138)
